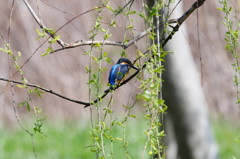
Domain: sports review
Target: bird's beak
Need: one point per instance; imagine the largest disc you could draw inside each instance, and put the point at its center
(135, 67)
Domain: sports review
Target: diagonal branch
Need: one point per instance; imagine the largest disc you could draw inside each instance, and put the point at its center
(41, 25)
(180, 20)
(45, 90)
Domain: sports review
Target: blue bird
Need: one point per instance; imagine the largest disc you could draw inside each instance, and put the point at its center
(119, 71)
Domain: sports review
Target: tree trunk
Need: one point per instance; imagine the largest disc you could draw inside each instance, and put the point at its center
(186, 103)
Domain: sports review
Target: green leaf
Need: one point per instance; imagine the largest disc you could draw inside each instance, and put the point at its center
(25, 103)
(103, 30)
(95, 59)
(106, 36)
(54, 40)
(119, 123)
(22, 103)
(87, 69)
(8, 51)
(41, 34)
(108, 110)
(38, 125)
(38, 92)
(109, 7)
(28, 106)
(118, 139)
(48, 51)
(96, 45)
(87, 53)
(131, 12)
(133, 116)
(113, 24)
(146, 95)
(49, 30)
(20, 86)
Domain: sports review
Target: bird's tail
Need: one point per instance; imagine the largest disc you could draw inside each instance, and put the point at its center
(110, 89)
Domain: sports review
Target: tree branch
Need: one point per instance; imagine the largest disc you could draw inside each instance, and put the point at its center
(45, 90)
(82, 43)
(41, 25)
(104, 42)
(180, 20)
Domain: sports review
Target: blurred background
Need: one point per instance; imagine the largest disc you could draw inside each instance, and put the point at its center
(64, 72)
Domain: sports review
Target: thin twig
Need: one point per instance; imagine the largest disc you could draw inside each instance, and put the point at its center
(41, 25)
(56, 8)
(10, 21)
(180, 20)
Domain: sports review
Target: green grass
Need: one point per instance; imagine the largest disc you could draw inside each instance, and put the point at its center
(228, 139)
(71, 140)
(66, 141)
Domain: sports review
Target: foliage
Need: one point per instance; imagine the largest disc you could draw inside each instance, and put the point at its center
(102, 133)
(232, 40)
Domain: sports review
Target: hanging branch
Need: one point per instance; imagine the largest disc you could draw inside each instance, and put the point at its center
(178, 22)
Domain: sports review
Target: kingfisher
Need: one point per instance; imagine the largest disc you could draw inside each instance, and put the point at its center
(119, 71)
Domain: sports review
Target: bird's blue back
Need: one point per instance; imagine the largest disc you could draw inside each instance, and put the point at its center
(117, 72)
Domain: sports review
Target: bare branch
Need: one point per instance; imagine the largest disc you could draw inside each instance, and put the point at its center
(82, 43)
(45, 90)
(104, 42)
